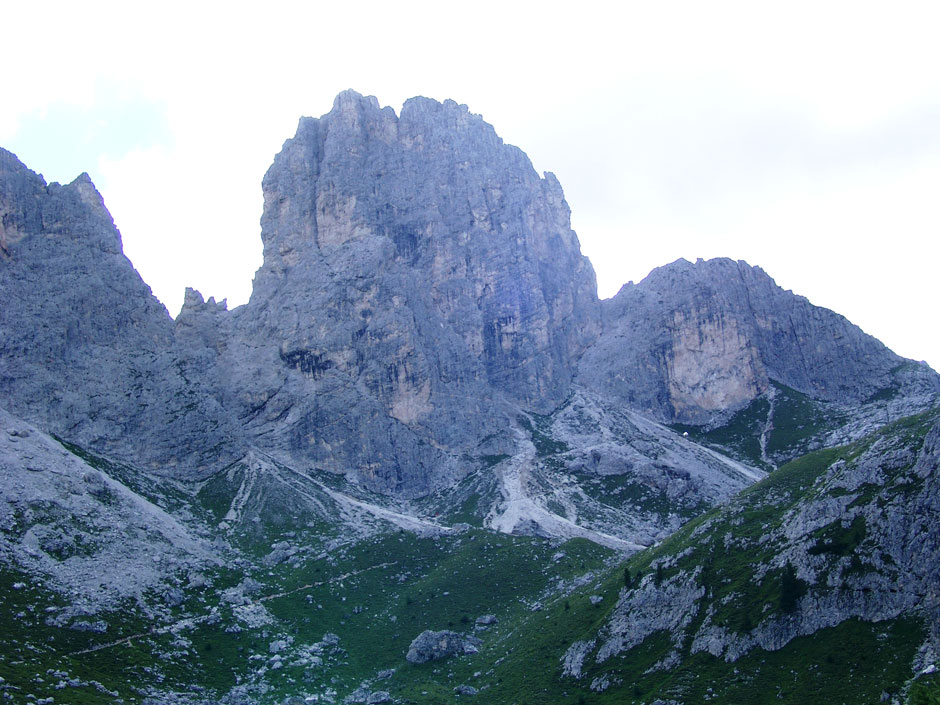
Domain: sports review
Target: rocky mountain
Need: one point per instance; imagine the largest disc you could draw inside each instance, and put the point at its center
(86, 350)
(841, 544)
(417, 275)
(425, 433)
(421, 287)
(693, 341)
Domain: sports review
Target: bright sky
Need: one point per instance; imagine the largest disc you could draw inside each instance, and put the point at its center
(801, 137)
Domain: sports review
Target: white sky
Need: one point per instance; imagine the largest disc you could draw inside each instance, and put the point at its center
(801, 137)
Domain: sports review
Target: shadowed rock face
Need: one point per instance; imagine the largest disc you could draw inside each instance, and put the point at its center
(416, 271)
(434, 646)
(693, 340)
(85, 348)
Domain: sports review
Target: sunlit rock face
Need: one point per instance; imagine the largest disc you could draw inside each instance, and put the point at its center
(712, 366)
(693, 340)
(417, 271)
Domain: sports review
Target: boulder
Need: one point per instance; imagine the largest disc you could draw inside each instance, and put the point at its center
(433, 646)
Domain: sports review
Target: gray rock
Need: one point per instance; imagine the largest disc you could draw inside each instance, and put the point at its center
(96, 627)
(433, 646)
(277, 646)
(465, 690)
(415, 270)
(198, 580)
(694, 340)
(359, 695)
(280, 553)
(88, 352)
(173, 597)
(250, 586)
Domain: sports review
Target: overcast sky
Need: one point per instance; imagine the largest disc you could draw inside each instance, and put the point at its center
(801, 137)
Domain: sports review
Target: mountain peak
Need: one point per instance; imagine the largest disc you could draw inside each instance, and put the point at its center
(90, 196)
(415, 331)
(694, 340)
(432, 246)
(350, 98)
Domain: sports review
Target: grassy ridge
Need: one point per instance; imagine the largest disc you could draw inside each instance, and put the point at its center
(853, 662)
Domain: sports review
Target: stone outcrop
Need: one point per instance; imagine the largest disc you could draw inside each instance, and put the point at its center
(434, 646)
(695, 340)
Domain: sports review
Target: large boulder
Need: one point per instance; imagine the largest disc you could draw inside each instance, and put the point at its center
(433, 646)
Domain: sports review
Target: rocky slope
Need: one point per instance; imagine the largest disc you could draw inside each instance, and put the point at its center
(594, 470)
(816, 585)
(94, 538)
(839, 540)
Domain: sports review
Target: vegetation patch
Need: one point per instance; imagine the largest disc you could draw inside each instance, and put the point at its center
(539, 428)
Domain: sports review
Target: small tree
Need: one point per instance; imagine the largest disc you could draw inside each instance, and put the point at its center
(791, 589)
(627, 578)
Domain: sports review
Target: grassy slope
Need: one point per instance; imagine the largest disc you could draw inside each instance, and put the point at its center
(852, 662)
(377, 594)
(797, 421)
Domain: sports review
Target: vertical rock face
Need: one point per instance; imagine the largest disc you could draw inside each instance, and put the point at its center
(85, 349)
(694, 339)
(431, 206)
(415, 270)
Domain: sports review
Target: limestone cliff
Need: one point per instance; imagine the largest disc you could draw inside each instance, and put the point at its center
(694, 340)
(417, 272)
(86, 351)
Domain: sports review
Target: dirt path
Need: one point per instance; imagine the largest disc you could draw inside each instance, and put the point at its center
(193, 621)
